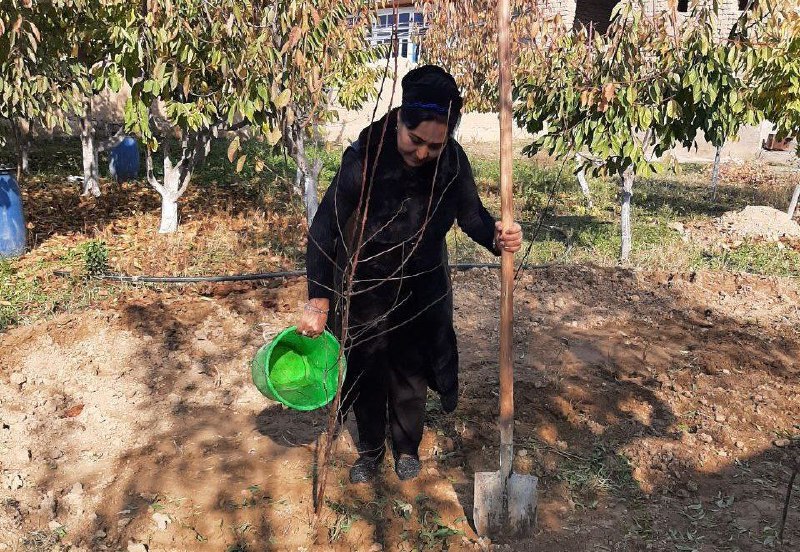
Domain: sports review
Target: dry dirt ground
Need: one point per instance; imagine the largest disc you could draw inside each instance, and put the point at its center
(659, 410)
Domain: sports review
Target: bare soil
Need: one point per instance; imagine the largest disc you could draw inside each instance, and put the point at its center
(759, 222)
(659, 410)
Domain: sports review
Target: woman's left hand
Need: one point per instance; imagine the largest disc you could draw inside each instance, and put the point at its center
(510, 240)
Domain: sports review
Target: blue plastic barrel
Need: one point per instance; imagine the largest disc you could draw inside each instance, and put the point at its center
(124, 162)
(12, 220)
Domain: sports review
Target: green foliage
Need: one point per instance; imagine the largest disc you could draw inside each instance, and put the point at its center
(95, 257)
(774, 53)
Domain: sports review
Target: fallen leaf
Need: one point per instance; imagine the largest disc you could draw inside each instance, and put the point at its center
(73, 411)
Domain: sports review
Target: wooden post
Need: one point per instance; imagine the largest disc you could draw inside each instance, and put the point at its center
(507, 260)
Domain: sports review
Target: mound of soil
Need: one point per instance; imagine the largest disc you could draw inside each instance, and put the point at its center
(659, 411)
(759, 222)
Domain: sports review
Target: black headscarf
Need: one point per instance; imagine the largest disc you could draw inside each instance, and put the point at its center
(431, 88)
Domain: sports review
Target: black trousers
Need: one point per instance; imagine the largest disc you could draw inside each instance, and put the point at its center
(387, 380)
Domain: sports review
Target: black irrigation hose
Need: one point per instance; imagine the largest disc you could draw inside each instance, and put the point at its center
(250, 277)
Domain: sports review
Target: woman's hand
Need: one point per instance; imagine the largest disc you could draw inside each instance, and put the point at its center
(510, 240)
(313, 318)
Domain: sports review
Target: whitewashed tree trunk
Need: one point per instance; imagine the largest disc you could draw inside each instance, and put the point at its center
(91, 165)
(308, 170)
(22, 138)
(311, 197)
(585, 187)
(169, 204)
(715, 173)
(793, 203)
(627, 195)
(177, 175)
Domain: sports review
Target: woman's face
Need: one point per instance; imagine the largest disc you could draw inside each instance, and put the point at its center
(421, 145)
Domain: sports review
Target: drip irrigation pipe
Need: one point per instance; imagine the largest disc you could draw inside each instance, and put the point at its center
(251, 277)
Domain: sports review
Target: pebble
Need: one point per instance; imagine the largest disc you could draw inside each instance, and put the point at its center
(722, 453)
(136, 547)
(122, 522)
(54, 525)
(522, 452)
(739, 444)
(18, 379)
(782, 442)
(375, 548)
(706, 438)
(162, 520)
(100, 534)
(719, 418)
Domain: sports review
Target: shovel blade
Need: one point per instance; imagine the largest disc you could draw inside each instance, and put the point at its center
(504, 507)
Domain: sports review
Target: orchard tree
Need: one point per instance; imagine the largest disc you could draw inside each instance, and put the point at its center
(619, 99)
(322, 60)
(775, 47)
(207, 67)
(33, 89)
(84, 26)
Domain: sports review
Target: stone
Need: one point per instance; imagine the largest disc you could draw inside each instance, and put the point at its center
(48, 505)
(162, 520)
(782, 442)
(54, 525)
(100, 534)
(705, 437)
(739, 444)
(18, 379)
(136, 547)
(122, 522)
(13, 481)
(522, 452)
(719, 418)
(692, 486)
(722, 453)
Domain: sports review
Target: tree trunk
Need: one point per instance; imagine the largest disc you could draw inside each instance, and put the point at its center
(298, 182)
(22, 139)
(715, 173)
(793, 203)
(91, 169)
(170, 193)
(169, 214)
(585, 187)
(627, 194)
(311, 198)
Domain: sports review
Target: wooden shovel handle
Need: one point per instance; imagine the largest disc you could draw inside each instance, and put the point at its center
(507, 260)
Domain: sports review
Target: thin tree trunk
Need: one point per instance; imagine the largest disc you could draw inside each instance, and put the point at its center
(311, 198)
(627, 195)
(793, 203)
(715, 173)
(91, 169)
(585, 187)
(22, 139)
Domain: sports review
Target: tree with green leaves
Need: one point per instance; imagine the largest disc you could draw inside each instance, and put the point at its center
(322, 61)
(775, 47)
(620, 99)
(33, 89)
(84, 26)
(197, 69)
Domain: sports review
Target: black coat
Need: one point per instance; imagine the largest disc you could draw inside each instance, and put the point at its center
(401, 289)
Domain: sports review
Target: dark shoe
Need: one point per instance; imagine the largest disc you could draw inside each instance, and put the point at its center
(365, 469)
(449, 402)
(407, 467)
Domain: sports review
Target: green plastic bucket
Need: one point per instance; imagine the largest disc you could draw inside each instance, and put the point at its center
(298, 371)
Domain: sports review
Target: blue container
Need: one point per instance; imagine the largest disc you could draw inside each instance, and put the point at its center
(124, 162)
(12, 220)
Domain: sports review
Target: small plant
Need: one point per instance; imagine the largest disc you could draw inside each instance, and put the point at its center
(95, 258)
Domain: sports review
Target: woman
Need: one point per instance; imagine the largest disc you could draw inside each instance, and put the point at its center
(398, 191)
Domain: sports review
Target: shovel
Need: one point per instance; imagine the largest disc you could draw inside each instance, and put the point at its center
(505, 502)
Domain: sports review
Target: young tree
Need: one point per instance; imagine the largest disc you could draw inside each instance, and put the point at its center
(619, 98)
(208, 67)
(325, 61)
(85, 26)
(32, 89)
(774, 51)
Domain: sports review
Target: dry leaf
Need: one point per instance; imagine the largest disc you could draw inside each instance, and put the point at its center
(73, 411)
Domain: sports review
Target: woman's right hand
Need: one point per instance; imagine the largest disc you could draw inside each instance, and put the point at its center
(313, 318)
